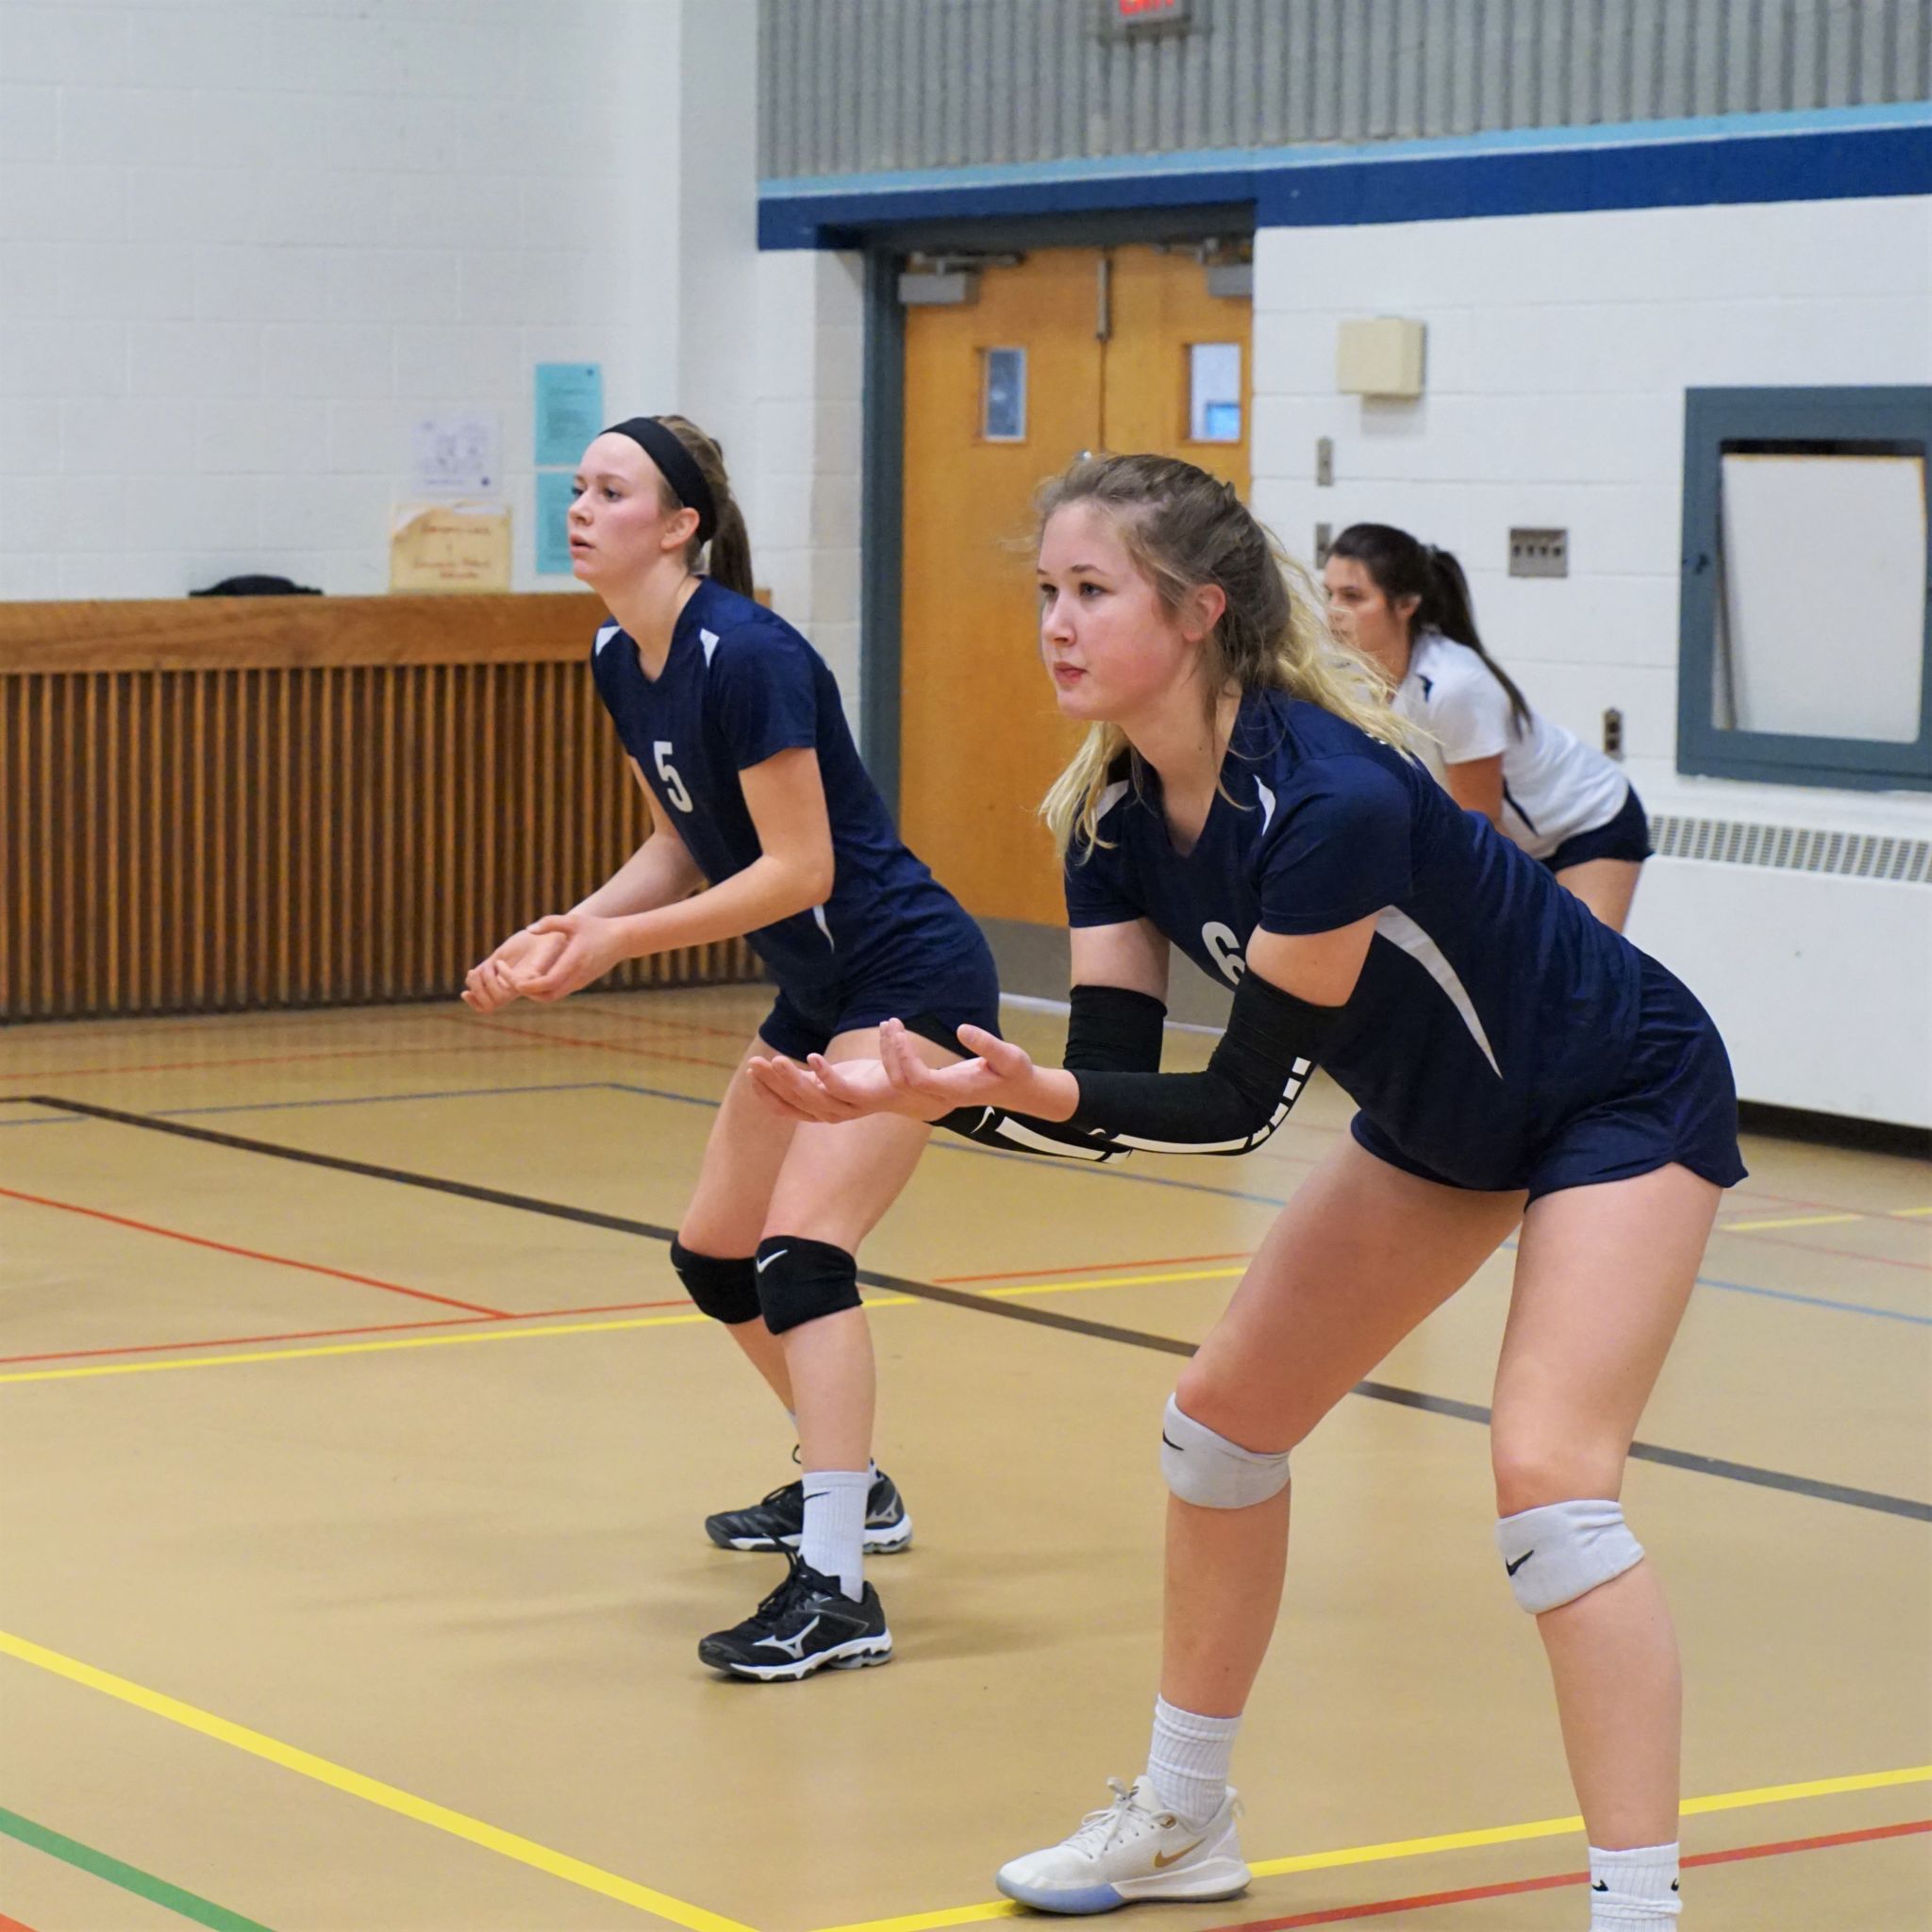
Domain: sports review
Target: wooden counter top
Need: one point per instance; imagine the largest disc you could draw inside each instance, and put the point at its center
(270, 633)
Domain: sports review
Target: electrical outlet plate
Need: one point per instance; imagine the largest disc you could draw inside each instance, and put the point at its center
(1539, 553)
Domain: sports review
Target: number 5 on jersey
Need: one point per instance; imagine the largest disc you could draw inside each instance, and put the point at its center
(673, 785)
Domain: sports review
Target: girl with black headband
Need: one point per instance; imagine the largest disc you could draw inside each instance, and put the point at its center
(736, 731)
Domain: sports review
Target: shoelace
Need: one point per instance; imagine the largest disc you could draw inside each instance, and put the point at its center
(790, 1594)
(1099, 1829)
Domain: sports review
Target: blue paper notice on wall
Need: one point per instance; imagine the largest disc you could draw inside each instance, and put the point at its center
(553, 494)
(570, 409)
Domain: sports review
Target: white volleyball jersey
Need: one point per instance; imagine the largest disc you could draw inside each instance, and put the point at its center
(1553, 785)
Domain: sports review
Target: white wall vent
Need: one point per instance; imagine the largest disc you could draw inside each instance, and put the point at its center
(1793, 848)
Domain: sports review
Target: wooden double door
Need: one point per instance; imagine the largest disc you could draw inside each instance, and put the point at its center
(1062, 351)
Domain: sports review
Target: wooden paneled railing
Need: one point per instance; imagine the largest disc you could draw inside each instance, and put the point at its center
(224, 804)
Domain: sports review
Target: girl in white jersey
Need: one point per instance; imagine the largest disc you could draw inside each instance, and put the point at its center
(1405, 605)
(1518, 1065)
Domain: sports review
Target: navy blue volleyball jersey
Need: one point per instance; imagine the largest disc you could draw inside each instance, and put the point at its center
(1492, 1005)
(738, 687)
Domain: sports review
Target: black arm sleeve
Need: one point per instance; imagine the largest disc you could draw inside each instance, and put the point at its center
(1109, 1029)
(1113, 1030)
(1256, 1074)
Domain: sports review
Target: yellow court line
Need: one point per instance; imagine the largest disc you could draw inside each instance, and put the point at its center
(1444, 1842)
(1116, 1281)
(507, 1334)
(505, 1843)
(1821, 1220)
(1790, 1221)
(296, 1355)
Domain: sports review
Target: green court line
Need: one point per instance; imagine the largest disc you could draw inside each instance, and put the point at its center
(143, 1884)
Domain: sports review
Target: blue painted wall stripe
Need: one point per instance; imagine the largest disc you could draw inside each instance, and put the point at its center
(1826, 156)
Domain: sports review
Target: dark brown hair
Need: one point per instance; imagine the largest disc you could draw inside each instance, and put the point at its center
(1403, 566)
(730, 546)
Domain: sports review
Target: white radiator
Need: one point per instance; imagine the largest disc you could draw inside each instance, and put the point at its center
(1813, 952)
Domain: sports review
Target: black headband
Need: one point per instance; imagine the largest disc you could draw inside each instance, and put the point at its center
(677, 466)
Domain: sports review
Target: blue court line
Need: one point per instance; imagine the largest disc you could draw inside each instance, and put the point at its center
(1817, 1301)
(1094, 1171)
(1084, 1169)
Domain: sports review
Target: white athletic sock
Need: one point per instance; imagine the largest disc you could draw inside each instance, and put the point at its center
(1186, 1762)
(1633, 1889)
(833, 1543)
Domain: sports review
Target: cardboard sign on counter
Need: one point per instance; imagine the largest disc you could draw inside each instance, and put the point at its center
(449, 546)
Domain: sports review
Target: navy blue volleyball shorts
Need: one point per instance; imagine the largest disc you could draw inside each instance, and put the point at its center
(1626, 836)
(935, 1009)
(1676, 1103)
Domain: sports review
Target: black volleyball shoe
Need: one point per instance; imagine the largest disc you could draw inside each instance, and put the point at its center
(778, 1522)
(806, 1624)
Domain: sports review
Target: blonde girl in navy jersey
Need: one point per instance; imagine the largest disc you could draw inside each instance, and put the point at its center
(765, 824)
(1243, 796)
(1405, 605)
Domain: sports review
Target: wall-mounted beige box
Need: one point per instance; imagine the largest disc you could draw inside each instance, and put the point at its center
(1379, 357)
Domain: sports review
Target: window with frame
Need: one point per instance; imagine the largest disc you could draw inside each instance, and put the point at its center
(1807, 592)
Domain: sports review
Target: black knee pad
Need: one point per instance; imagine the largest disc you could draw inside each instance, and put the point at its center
(803, 1281)
(726, 1290)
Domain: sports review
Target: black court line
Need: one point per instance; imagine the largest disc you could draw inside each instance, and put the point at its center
(953, 1297)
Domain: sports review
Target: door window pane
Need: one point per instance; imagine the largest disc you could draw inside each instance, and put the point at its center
(1820, 618)
(1003, 395)
(1215, 392)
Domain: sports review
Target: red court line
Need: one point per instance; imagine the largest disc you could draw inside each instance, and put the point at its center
(738, 1033)
(239, 1023)
(273, 1059)
(8, 1924)
(1748, 1193)
(1087, 1268)
(1805, 1247)
(70, 1355)
(1381, 1907)
(420, 1294)
(649, 1053)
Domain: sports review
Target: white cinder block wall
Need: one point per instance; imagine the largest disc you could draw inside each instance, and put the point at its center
(804, 514)
(245, 244)
(1559, 348)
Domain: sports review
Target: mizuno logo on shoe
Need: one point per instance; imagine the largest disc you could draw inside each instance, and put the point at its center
(764, 1261)
(792, 1646)
(1164, 1860)
(1513, 1568)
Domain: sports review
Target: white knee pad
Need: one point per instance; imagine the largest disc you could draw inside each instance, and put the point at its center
(1563, 1551)
(1206, 1469)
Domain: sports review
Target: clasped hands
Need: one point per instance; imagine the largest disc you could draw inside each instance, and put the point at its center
(547, 962)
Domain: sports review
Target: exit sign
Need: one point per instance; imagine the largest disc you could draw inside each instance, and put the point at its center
(1148, 16)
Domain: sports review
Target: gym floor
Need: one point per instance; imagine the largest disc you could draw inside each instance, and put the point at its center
(333, 1597)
